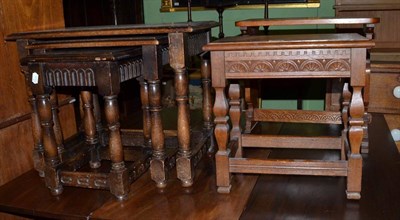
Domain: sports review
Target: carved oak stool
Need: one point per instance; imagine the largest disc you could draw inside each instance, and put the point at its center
(98, 66)
(289, 56)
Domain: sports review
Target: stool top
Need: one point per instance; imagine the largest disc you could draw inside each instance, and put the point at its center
(301, 41)
(304, 21)
(83, 55)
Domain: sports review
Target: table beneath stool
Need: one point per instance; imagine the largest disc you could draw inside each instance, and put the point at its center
(289, 56)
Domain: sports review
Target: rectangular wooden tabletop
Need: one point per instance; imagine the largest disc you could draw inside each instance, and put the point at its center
(294, 41)
(255, 22)
(116, 30)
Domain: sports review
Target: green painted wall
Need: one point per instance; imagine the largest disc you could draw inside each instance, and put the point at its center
(153, 15)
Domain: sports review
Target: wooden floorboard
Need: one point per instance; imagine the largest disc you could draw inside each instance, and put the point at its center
(27, 196)
(174, 202)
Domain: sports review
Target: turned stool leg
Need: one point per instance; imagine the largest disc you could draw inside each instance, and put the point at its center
(89, 124)
(355, 138)
(345, 117)
(158, 166)
(367, 116)
(52, 159)
(102, 139)
(38, 148)
(234, 115)
(222, 136)
(144, 97)
(207, 100)
(184, 162)
(119, 182)
(57, 125)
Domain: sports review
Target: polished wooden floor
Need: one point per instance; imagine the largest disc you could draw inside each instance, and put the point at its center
(252, 196)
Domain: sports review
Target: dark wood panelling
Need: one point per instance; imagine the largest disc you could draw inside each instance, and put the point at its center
(16, 139)
(102, 12)
(17, 16)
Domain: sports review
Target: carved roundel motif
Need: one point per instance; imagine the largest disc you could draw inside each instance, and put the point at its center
(238, 67)
(337, 65)
(311, 65)
(286, 66)
(261, 67)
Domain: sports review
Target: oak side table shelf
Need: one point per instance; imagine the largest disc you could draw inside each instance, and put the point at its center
(183, 40)
(289, 56)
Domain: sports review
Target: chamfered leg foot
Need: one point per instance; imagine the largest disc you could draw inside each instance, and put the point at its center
(353, 195)
(224, 189)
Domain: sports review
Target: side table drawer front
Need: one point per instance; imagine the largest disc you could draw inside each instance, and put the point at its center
(288, 63)
(381, 93)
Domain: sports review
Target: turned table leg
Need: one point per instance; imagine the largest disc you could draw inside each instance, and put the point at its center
(119, 182)
(102, 139)
(356, 123)
(89, 124)
(184, 162)
(222, 137)
(158, 166)
(355, 137)
(345, 118)
(38, 149)
(144, 97)
(52, 159)
(57, 125)
(184, 165)
(221, 119)
(207, 100)
(234, 114)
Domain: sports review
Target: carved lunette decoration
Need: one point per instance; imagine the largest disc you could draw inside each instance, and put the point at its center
(297, 116)
(323, 60)
(83, 75)
(196, 41)
(70, 77)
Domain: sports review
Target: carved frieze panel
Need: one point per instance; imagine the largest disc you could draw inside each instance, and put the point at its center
(70, 77)
(130, 69)
(76, 74)
(298, 116)
(264, 61)
(196, 41)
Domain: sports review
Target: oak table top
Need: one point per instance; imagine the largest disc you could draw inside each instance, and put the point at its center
(120, 30)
